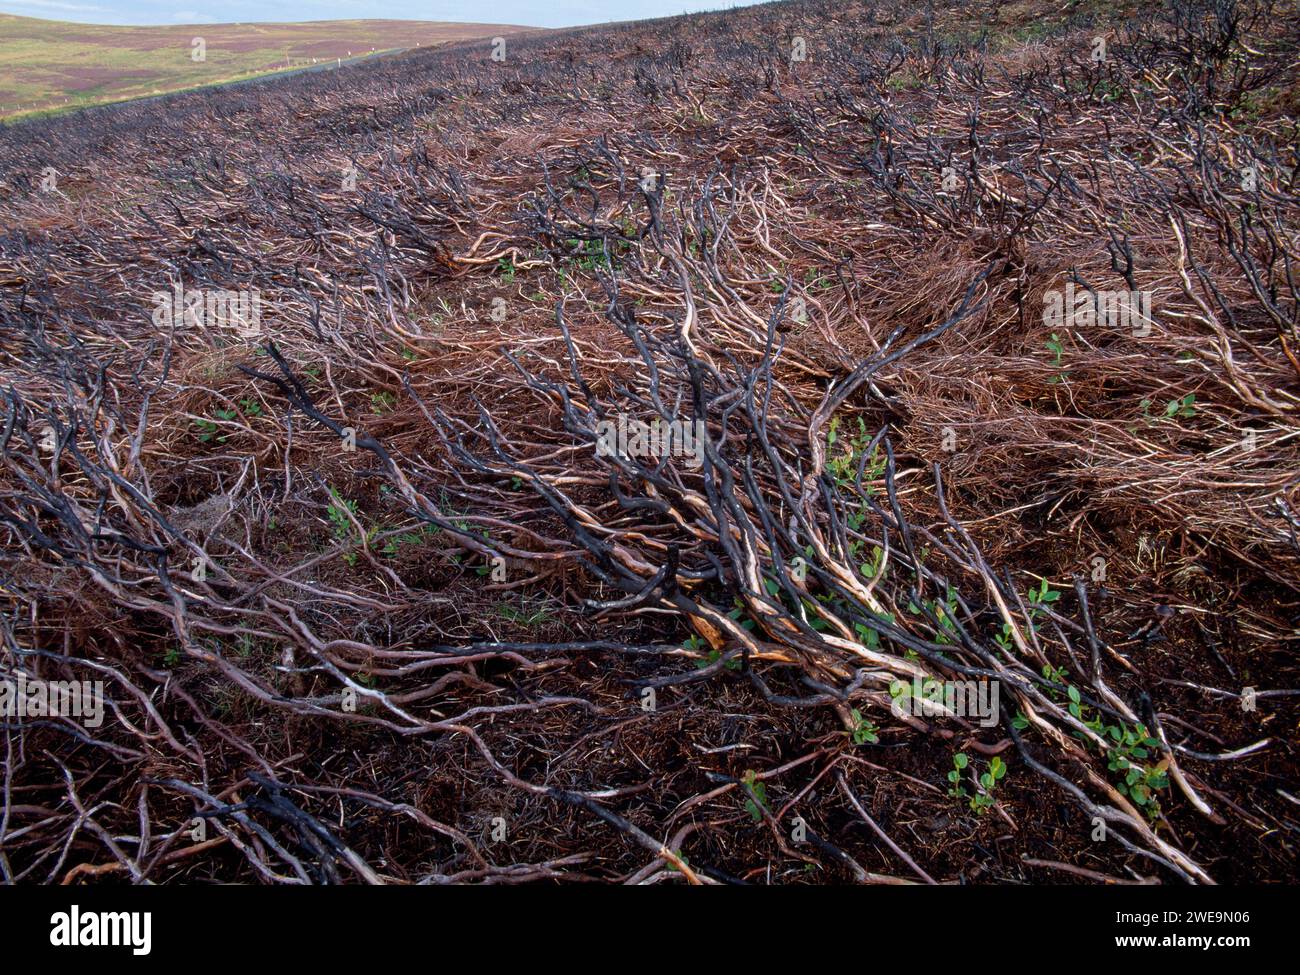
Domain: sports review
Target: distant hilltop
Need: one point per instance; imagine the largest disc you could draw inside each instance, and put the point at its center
(53, 65)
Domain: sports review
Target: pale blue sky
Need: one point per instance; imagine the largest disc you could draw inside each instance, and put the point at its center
(532, 13)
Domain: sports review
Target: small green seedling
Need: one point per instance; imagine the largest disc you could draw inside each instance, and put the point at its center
(988, 782)
(1179, 408)
(338, 514)
(982, 801)
(1055, 346)
(750, 778)
(864, 732)
(959, 763)
(207, 429)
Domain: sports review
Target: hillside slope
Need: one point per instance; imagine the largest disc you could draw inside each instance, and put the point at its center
(46, 64)
(333, 443)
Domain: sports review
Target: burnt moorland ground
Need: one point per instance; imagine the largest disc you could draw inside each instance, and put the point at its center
(370, 604)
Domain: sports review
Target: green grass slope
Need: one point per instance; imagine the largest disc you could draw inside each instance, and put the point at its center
(51, 65)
